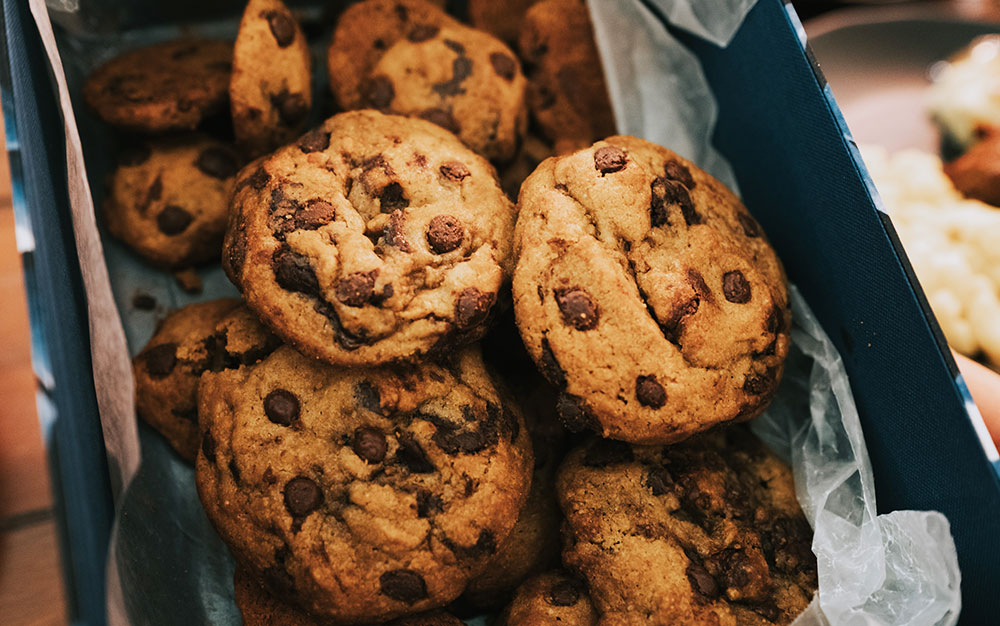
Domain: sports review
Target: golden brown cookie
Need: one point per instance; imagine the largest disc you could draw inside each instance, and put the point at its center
(707, 531)
(646, 292)
(552, 599)
(503, 20)
(168, 199)
(375, 238)
(567, 95)
(167, 86)
(385, 511)
(270, 91)
(215, 335)
(259, 607)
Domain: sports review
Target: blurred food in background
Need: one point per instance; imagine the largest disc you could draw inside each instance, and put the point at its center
(964, 98)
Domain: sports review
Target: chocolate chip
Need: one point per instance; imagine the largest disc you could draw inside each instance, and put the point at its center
(650, 392)
(574, 414)
(659, 480)
(380, 92)
(393, 198)
(428, 503)
(759, 384)
(403, 585)
(161, 359)
(423, 32)
(443, 118)
(292, 107)
(701, 581)
(550, 367)
(735, 287)
(356, 289)
(154, 193)
(454, 170)
(503, 65)
(412, 456)
(134, 154)
(208, 446)
(563, 593)
(691, 215)
(173, 220)
(234, 469)
(472, 307)
(461, 68)
(604, 452)
(282, 27)
(369, 444)
(444, 233)
(143, 302)
(302, 496)
(293, 272)
(217, 163)
(577, 308)
(314, 214)
(455, 46)
(454, 442)
(394, 232)
(674, 170)
(750, 226)
(314, 141)
(402, 12)
(259, 179)
(609, 159)
(367, 396)
(281, 407)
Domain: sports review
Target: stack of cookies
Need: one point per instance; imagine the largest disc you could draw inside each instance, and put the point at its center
(432, 401)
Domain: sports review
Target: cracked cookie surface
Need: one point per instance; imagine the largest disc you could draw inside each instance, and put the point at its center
(645, 290)
(167, 86)
(270, 91)
(214, 335)
(707, 531)
(374, 238)
(361, 494)
(168, 199)
(551, 599)
(461, 79)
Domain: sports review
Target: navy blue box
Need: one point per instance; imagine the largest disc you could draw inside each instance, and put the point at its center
(801, 176)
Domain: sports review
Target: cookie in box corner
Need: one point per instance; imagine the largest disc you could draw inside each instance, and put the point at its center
(707, 531)
(374, 238)
(647, 293)
(412, 59)
(384, 512)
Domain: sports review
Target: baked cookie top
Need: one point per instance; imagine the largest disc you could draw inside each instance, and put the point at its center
(463, 80)
(375, 238)
(270, 91)
(503, 20)
(707, 531)
(363, 34)
(206, 336)
(647, 292)
(567, 95)
(167, 86)
(551, 599)
(167, 199)
(361, 494)
(259, 607)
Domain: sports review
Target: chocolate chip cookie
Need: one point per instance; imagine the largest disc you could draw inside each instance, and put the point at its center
(167, 199)
(374, 238)
(552, 599)
(567, 95)
(364, 32)
(259, 607)
(386, 510)
(977, 172)
(199, 337)
(167, 86)
(707, 531)
(646, 292)
(501, 19)
(270, 91)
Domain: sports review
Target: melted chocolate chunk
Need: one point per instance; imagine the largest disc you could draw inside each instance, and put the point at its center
(393, 198)
(577, 307)
(472, 307)
(403, 585)
(750, 226)
(444, 233)
(428, 504)
(503, 65)
(461, 69)
(173, 220)
(357, 289)
(380, 92)
(302, 496)
(443, 118)
(454, 170)
(674, 170)
(423, 32)
(701, 581)
(574, 414)
(735, 287)
(367, 396)
(281, 407)
(610, 159)
(282, 27)
(650, 392)
(293, 272)
(369, 444)
(217, 163)
(412, 456)
(314, 141)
